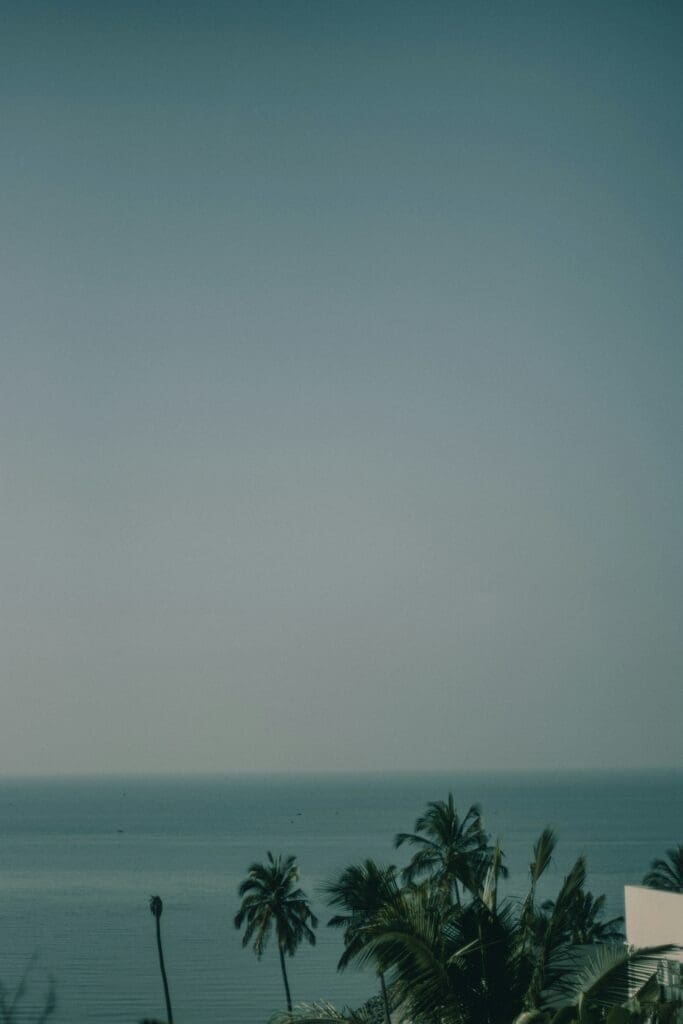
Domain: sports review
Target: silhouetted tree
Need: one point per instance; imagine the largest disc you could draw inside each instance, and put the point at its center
(362, 890)
(451, 850)
(270, 900)
(667, 875)
(156, 907)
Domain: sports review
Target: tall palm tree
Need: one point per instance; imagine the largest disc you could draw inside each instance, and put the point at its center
(454, 851)
(156, 907)
(362, 890)
(271, 901)
(667, 876)
(480, 961)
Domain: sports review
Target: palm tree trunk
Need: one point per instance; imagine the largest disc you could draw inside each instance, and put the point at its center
(385, 998)
(284, 978)
(169, 1011)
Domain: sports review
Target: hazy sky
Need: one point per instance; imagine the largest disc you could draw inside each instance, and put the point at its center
(340, 404)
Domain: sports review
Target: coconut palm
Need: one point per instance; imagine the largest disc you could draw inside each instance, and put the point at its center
(479, 961)
(667, 875)
(271, 901)
(449, 964)
(156, 906)
(453, 851)
(361, 890)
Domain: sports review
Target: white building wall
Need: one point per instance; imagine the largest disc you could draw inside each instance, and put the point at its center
(654, 918)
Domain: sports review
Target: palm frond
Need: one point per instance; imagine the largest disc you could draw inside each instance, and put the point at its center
(272, 902)
(667, 875)
(544, 847)
(615, 974)
(322, 1013)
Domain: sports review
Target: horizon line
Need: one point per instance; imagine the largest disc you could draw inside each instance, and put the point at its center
(237, 775)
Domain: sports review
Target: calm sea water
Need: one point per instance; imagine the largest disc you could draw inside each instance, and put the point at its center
(79, 860)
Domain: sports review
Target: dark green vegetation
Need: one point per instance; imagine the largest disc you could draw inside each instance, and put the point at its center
(449, 948)
(156, 907)
(362, 891)
(667, 874)
(272, 902)
(450, 852)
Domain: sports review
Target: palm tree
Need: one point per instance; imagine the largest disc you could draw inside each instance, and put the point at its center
(667, 876)
(271, 900)
(450, 849)
(156, 907)
(449, 964)
(484, 960)
(361, 890)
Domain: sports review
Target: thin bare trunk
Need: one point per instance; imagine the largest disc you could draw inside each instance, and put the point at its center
(284, 978)
(169, 1011)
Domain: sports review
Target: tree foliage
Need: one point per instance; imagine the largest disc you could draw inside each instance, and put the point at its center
(451, 851)
(272, 902)
(456, 951)
(667, 874)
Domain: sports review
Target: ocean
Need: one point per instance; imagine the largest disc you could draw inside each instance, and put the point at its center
(79, 860)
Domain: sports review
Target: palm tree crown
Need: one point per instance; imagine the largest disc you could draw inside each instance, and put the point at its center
(667, 875)
(271, 901)
(363, 891)
(450, 849)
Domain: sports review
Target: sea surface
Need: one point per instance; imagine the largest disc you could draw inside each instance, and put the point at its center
(79, 860)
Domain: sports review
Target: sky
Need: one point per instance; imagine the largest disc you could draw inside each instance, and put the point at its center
(340, 403)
